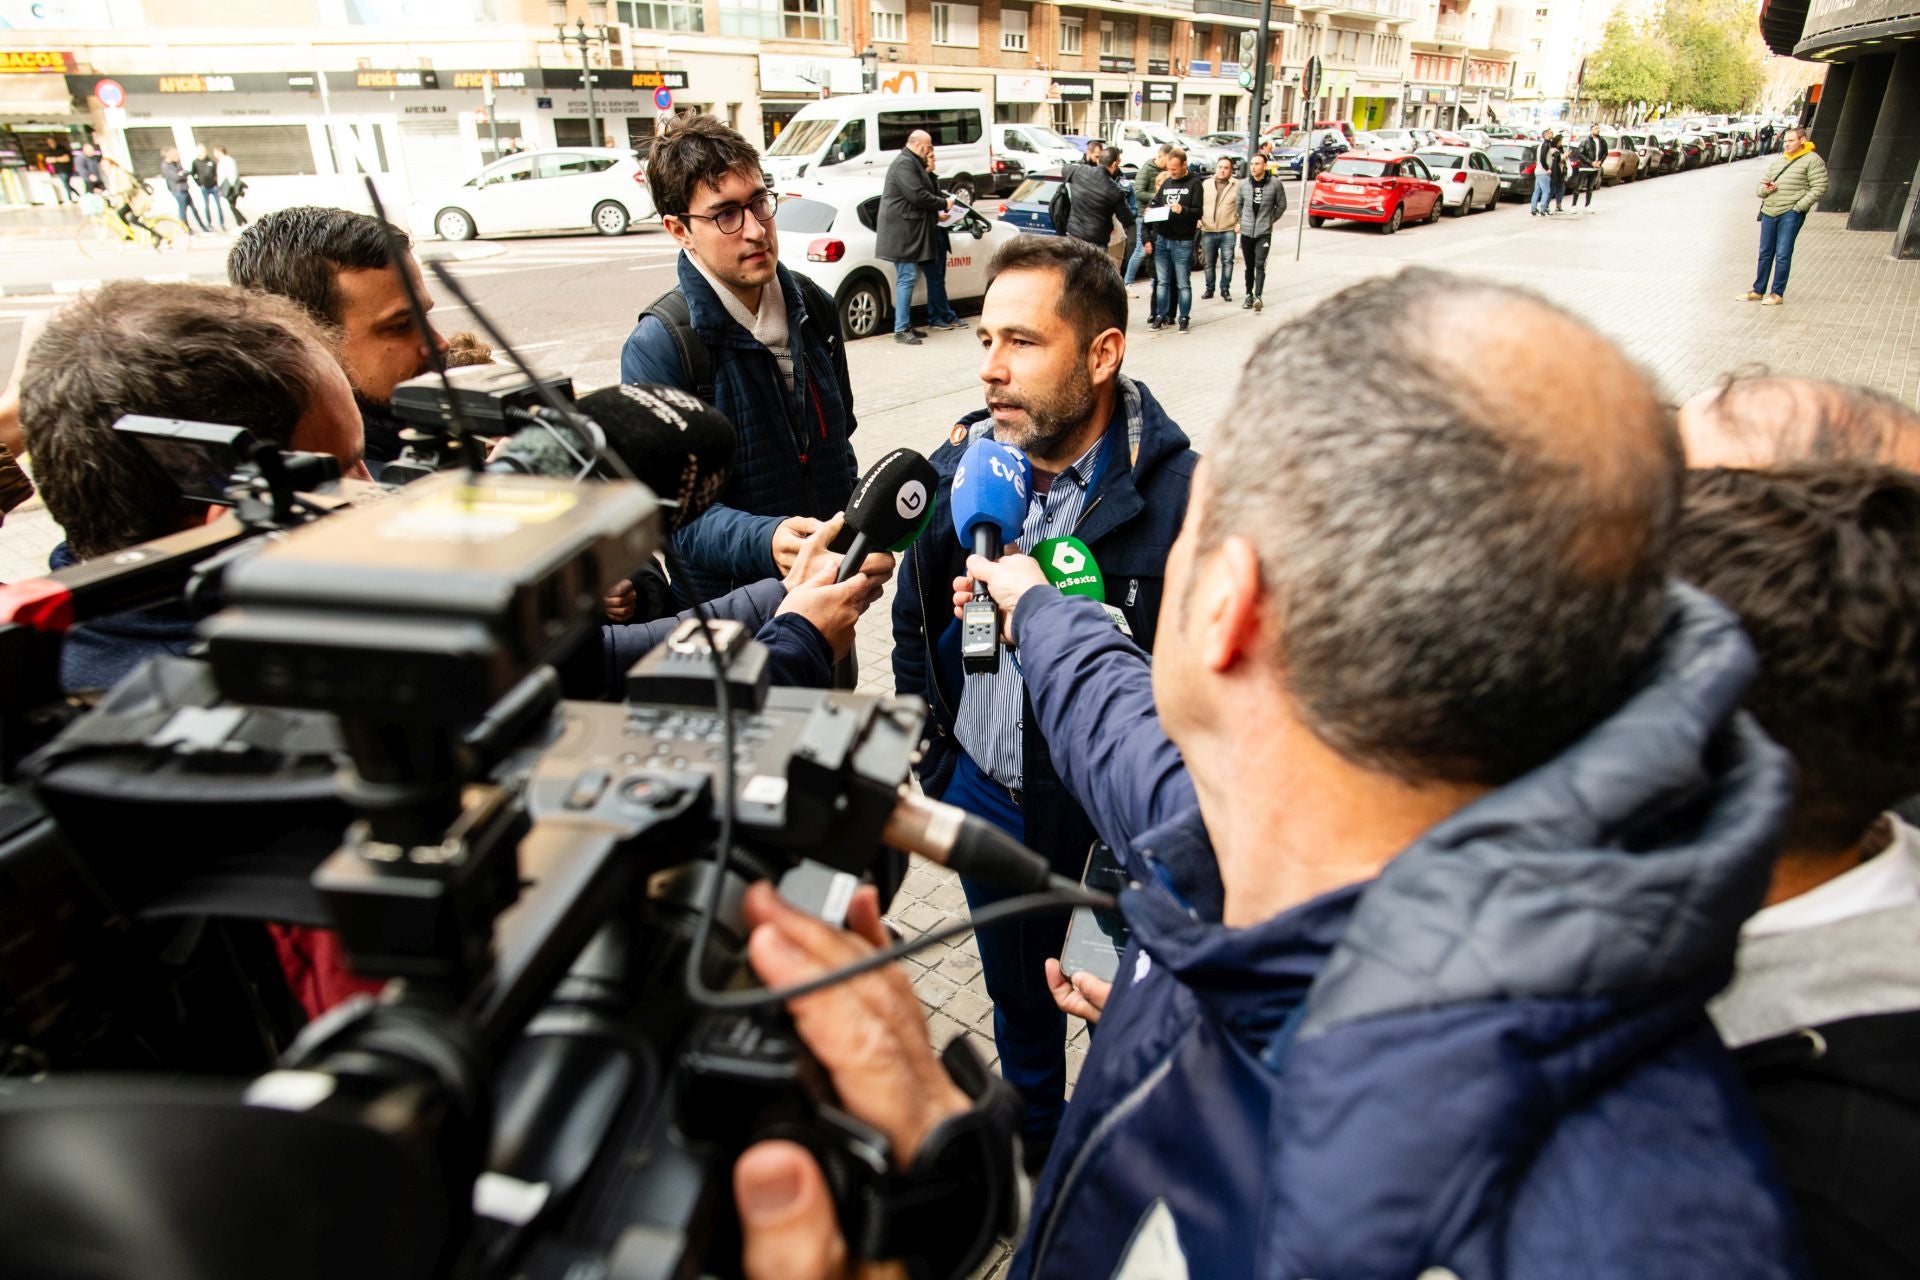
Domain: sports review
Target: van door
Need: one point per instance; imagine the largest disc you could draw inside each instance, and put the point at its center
(849, 151)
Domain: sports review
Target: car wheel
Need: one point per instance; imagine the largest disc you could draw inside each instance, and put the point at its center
(962, 189)
(610, 218)
(1435, 215)
(863, 308)
(1316, 222)
(454, 224)
(1466, 206)
(1392, 224)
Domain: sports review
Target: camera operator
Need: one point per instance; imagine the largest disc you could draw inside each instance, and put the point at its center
(1821, 561)
(197, 352)
(338, 265)
(1443, 819)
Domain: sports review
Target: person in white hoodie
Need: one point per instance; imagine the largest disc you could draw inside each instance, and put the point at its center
(227, 175)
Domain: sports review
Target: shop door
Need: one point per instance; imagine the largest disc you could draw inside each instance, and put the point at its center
(433, 155)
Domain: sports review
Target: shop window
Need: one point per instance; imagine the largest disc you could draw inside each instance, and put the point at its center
(1070, 34)
(572, 133)
(271, 150)
(663, 15)
(890, 21)
(144, 145)
(1013, 30)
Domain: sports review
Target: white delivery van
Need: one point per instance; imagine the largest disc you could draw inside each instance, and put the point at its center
(1037, 148)
(860, 134)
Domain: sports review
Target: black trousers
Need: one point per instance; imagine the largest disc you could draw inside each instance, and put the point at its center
(1253, 251)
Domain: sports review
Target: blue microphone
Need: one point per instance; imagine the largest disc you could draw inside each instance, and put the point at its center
(990, 495)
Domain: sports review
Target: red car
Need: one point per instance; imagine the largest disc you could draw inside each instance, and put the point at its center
(1382, 187)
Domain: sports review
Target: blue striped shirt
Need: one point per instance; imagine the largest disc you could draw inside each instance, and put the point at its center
(991, 723)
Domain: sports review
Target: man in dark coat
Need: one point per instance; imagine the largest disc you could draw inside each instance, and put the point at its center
(1097, 200)
(909, 204)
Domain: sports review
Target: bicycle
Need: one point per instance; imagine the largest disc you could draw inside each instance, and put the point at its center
(111, 227)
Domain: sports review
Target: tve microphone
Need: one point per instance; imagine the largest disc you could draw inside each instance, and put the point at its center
(990, 495)
(889, 507)
(676, 444)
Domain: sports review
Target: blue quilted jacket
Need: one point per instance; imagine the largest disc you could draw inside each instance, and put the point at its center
(1491, 1062)
(794, 457)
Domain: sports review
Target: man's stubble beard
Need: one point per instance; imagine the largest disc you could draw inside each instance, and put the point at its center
(1053, 420)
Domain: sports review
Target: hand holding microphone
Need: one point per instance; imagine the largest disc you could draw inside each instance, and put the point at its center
(818, 592)
(890, 507)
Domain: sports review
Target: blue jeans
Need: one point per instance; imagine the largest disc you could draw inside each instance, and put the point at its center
(210, 205)
(1172, 270)
(939, 309)
(1217, 247)
(1777, 234)
(188, 214)
(1140, 243)
(1542, 190)
(1029, 1031)
(904, 276)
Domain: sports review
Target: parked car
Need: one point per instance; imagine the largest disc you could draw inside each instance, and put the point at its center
(1663, 153)
(1644, 152)
(1285, 129)
(1139, 140)
(1386, 188)
(860, 134)
(1399, 139)
(1515, 164)
(1029, 210)
(1622, 163)
(828, 232)
(1288, 159)
(1034, 147)
(1467, 178)
(602, 189)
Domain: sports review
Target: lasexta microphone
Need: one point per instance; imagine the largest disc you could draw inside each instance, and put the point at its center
(990, 495)
(889, 508)
(676, 444)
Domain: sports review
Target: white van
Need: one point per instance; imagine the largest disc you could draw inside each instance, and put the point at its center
(1037, 148)
(859, 136)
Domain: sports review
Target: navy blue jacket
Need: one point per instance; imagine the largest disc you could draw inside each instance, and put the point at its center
(798, 655)
(102, 653)
(794, 457)
(1129, 523)
(1493, 1058)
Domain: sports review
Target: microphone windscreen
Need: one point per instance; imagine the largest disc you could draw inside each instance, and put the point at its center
(891, 503)
(676, 444)
(991, 487)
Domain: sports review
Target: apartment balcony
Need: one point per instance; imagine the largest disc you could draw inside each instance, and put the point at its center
(1452, 29)
(1393, 12)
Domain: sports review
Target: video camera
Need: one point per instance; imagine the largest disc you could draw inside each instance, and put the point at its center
(570, 1052)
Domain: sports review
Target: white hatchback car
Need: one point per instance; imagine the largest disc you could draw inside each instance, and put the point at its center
(1467, 176)
(828, 231)
(555, 189)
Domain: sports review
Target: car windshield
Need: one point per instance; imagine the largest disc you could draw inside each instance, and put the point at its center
(1035, 191)
(803, 217)
(1441, 160)
(1048, 138)
(1359, 168)
(802, 137)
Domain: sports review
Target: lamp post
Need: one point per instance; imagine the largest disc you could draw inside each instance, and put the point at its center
(869, 69)
(584, 36)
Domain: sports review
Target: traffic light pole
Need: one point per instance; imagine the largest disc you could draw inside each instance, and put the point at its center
(1255, 120)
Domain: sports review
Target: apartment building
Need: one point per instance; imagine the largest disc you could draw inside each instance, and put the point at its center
(1558, 37)
(1460, 68)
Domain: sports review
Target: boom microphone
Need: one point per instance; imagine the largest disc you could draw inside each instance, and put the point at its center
(676, 444)
(889, 508)
(990, 494)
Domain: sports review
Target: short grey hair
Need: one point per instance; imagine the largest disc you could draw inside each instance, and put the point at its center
(1461, 584)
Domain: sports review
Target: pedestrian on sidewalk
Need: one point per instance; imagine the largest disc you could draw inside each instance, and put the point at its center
(1174, 217)
(1145, 181)
(940, 312)
(1593, 159)
(1557, 170)
(1543, 155)
(1220, 226)
(86, 167)
(1766, 138)
(910, 201)
(60, 165)
(1793, 185)
(206, 176)
(1095, 149)
(175, 176)
(1095, 199)
(227, 170)
(1263, 198)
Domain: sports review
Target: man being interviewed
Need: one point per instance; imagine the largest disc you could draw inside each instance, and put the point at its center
(1111, 469)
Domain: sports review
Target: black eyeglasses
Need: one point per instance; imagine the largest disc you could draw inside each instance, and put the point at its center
(730, 219)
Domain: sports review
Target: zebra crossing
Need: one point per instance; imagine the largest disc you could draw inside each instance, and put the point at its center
(637, 253)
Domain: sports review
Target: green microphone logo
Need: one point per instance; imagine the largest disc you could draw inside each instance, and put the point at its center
(1070, 566)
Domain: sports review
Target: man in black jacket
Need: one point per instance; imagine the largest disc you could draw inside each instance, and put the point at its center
(1097, 200)
(1173, 219)
(1593, 155)
(909, 204)
(206, 176)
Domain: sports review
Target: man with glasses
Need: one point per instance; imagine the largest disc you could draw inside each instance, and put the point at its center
(758, 342)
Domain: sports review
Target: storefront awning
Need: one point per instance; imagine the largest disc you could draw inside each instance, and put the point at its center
(36, 97)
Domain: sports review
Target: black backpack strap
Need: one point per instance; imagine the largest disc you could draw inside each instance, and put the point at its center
(823, 325)
(696, 362)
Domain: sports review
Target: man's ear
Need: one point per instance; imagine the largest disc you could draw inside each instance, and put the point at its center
(1105, 355)
(1231, 618)
(677, 228)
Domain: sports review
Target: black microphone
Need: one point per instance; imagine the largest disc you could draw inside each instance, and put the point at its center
(676, 444)
(889, 507)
